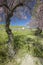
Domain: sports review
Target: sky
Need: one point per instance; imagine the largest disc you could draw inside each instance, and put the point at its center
(15, 21)
(20, 22)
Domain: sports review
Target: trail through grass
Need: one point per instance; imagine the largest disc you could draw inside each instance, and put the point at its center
(28, 48)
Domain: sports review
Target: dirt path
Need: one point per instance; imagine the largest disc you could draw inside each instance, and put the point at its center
(29, 60)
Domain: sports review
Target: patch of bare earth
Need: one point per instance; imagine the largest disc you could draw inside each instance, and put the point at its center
(27, 60)
(30, 60)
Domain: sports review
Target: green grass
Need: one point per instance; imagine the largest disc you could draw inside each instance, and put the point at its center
(24, 42)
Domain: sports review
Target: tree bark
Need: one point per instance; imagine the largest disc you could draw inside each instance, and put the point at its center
(8, 30)
(10, 41)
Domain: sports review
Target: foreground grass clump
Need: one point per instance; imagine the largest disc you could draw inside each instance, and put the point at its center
(24, 42)
(33, 46)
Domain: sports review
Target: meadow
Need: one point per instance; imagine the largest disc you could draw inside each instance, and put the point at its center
(25, 43)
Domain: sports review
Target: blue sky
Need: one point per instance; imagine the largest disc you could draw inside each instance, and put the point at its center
(20, 22)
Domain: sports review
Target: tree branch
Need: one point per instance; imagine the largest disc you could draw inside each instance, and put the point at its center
(5, 6)
(21, 4)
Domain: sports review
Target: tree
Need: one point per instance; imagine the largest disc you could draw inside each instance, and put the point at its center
(38, 13)
(9, 7)
(37, 18)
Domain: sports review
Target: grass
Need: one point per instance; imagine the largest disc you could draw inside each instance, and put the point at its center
(24, 42)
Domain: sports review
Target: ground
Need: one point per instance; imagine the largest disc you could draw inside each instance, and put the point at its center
(28, 47)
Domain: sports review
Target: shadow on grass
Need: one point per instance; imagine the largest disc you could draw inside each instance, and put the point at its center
(39, 35)
(18, 41)
(32, 46)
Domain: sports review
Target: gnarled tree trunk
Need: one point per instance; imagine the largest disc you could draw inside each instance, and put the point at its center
(8, 30)
(11, 51)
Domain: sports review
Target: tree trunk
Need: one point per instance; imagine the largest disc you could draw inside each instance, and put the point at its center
(38, 31)
(11, 51)
(8, 30)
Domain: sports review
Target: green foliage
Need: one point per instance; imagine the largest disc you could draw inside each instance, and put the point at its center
(3, 53)
(24, 42)
(38, 31)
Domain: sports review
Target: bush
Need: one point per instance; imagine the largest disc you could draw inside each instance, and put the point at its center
(38, 31)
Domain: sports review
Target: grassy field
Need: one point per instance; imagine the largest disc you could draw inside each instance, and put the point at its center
(25, 42)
